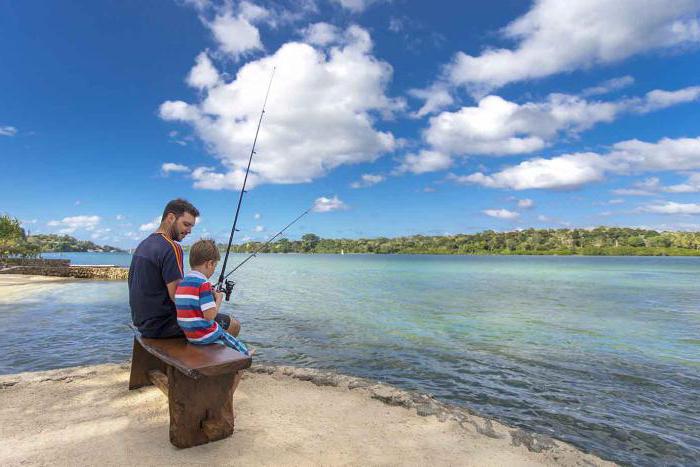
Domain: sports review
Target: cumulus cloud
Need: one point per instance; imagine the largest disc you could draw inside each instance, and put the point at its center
(69, 225)
(8, 131)
(169, 167)
(321, 114)
(557, 36)
(498, 127)
(563, 172)
(692, 185)
(367, 180)
(258, 228)
(501, 213)
(574, 170)
(321, 34)
(324, 204)
(673, 208)
(235, 34)
(150, 226)
(203, 74)
(424, 161)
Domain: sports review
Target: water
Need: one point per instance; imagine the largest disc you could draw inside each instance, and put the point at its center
(601, 352)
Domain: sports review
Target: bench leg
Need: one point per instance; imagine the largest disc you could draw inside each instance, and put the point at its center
(200, 410)
(141, 363)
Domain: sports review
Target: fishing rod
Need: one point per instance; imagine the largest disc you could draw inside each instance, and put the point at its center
(255, 253)
(222, 285)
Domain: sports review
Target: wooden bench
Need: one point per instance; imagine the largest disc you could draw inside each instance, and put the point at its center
(198, 380)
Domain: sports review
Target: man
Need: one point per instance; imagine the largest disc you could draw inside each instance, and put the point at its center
(156, 271)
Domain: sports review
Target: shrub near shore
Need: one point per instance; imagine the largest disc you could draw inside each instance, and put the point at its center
(601, 241)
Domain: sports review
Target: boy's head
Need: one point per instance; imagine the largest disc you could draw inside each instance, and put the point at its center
(204, 254)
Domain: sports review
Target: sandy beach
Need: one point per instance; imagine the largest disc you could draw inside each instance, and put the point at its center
(86, 416)
(18, 285)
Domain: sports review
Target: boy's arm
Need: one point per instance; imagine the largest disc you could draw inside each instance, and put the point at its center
(209, 301)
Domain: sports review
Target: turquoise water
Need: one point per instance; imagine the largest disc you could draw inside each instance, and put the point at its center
(603, 352)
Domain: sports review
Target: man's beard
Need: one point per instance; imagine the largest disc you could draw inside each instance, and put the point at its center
(174, 233)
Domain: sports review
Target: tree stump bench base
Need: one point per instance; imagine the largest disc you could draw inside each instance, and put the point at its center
(198, 380)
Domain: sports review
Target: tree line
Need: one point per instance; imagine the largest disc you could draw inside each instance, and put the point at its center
(597, 241)
(14, 241)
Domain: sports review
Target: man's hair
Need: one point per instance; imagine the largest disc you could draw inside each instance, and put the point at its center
(179, 207)
(202, 251)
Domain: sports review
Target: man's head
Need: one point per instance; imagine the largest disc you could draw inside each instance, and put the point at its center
(179, 217)
(204, 254)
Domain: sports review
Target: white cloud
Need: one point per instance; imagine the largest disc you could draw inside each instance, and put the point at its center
(258, 228)
(168, 167)
(501, 213)
(71, 224)
(660, 99)
(646, 187)
(692, 185)
(8, 131)
(557, 36)
(120, 217)
(526, 203)
(653, 186)
(356, 6)
(500, 127)
(367, 180)
(321, 34)
(424, 161)
(320, 114)
(257, 216)
(562, 172)
(673, 208)
(202, 75)
(235, 35)
(610, 85)
(573, 170)
(150, 226)
(436, 97)
(666, 154)
(324, 204)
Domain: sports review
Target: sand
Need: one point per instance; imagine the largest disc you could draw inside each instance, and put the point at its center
(20, 285)
(284, 416)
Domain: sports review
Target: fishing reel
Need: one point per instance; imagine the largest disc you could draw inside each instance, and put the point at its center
(226, 288)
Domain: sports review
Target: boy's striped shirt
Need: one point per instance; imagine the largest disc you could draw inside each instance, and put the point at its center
(192, 298)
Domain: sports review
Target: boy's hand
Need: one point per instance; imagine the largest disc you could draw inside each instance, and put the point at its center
(218, 297)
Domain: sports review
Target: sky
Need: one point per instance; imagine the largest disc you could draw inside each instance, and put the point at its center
(387, 117)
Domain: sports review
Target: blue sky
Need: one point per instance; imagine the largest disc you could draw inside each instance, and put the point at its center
(390, 117)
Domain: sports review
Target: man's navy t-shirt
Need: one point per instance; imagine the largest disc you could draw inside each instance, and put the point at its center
(156, 262)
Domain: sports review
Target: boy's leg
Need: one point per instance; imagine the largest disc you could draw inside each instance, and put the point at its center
(230, 325)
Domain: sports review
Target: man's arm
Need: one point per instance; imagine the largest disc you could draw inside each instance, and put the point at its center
(172, 286)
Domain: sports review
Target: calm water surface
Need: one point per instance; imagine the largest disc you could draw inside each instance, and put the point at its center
(600, 352)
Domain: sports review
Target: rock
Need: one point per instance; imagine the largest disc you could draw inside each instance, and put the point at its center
(532, 441)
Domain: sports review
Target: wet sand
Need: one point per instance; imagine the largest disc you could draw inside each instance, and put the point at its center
(18, 285)
(86, 416)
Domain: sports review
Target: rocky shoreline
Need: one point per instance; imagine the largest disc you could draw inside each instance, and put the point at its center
(62, 268)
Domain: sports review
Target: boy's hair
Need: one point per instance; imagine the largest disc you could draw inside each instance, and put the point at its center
(202, 251)
(178, 207)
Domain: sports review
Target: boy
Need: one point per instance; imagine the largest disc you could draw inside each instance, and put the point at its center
(197, 304)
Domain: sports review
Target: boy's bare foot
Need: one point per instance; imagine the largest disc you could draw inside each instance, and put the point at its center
(251, 351)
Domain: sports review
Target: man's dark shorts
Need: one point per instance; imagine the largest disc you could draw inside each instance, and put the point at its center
(224, 321)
